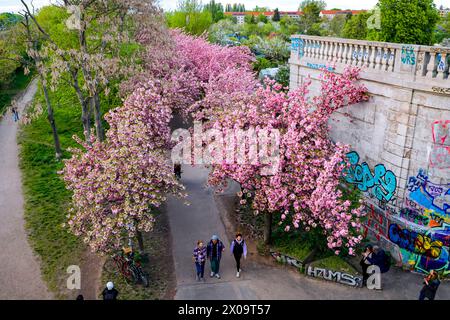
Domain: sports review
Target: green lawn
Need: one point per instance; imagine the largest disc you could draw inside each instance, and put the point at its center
(7, 93)
(46, 198)
(334, 263)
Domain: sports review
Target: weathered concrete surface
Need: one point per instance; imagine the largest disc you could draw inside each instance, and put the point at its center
(20, 276)
(201, 219)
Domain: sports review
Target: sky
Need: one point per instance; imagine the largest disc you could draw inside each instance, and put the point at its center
(286, 5)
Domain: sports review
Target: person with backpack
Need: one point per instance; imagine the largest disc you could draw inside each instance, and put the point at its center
(238, 248)
(110, 293)
(431, 284)
(214, 254)
(199, 258)
(381, 259)
(365, 262)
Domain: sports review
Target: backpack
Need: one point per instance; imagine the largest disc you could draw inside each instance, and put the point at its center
(386, 261)
(110, 295)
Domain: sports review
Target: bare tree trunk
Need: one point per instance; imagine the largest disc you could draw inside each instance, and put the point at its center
(98, 117)
(51, 120)
(140, 240)
(268, 228)
(85, 118)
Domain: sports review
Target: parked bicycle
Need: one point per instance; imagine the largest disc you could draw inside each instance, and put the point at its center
(130, 267)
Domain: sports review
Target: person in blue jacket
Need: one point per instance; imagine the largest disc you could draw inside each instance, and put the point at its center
(214, 254)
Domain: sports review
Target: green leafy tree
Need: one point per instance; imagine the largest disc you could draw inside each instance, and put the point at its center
(262, 18)
(191, 17)
(336, 25)
(276, 15)
(216, 10)
(356, 27)
(443, 29)
(250, 19)
(311, 16)
(406, 21)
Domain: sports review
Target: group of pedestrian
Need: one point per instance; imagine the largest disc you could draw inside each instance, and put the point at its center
(213, 252)
(15, 113)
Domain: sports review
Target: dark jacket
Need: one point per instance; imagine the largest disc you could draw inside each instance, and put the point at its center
(431, 288)
(110, 294)
(380, 259)
(209, 250)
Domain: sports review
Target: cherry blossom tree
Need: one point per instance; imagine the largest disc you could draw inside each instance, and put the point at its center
(305, 187)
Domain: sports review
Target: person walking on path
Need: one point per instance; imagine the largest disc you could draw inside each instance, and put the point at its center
(199, 258)
(214, 254)
(365, 262)
(177, 170)
(431, 284)
(15, 113)
(110, 293)
(238, 248)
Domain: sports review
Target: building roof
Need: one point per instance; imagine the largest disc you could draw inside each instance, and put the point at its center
(271, 13)
(257, 13)
(326, 12)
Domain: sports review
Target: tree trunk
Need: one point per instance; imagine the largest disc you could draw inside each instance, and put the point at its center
(98, 117)
(140, 240)
(51, 120)
(268, 228)
(85, 117)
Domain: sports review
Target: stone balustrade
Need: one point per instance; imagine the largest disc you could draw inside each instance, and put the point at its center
(415, 66)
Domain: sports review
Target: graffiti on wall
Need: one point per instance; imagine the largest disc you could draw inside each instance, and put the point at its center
(429, 195)
(440, 150)
(298, 45)
(282, 258)
(335, 276)
(319, 66)
(381, 182)
(408, 55)
(418, 234)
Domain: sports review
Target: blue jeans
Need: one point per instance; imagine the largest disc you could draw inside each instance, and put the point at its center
(15, 116)
(200, 266)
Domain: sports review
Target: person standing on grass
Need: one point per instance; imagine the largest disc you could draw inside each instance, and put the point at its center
(238, 248)
(214, 254)
(199, 258)
(431, 284)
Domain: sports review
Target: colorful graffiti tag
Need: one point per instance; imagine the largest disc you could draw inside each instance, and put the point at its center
(428, 195)
(408, 55)
(382, 182)
(319, 66)
(417, 235)
(298, 45)
(335, 276)
(440, 152)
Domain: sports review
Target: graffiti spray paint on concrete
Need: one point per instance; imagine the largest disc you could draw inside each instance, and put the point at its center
(335, 276)
(319, 66)
(382, 182)
(282, 258)
(418, 235)
(408, 55)
(440, 151)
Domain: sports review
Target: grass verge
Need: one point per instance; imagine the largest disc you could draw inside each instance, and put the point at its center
(159, 267)
(19, 82)
(46, 198)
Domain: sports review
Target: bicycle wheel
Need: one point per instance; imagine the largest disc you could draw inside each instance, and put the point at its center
(144, 279)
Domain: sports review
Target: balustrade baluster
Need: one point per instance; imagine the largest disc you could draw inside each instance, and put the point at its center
(432, 65)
